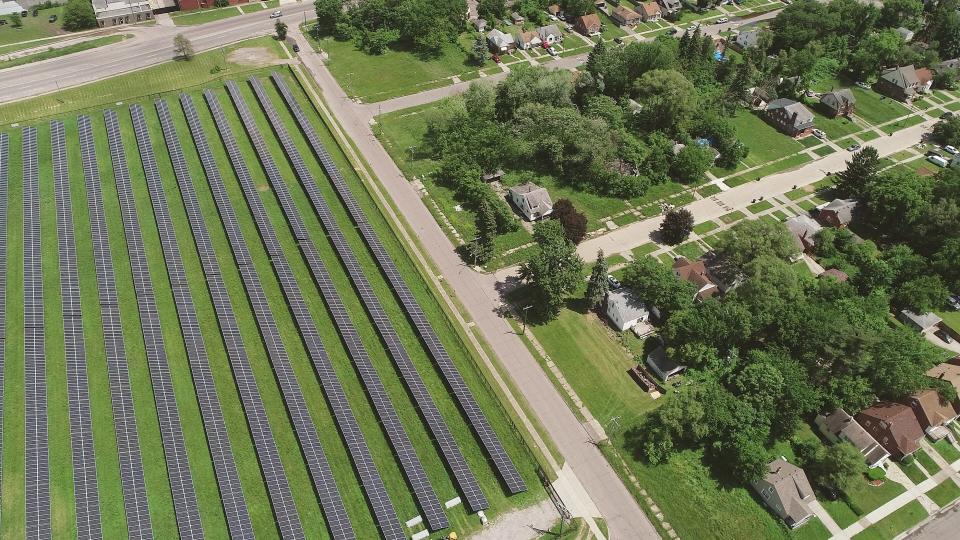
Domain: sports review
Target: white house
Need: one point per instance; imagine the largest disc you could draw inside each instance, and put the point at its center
(748, 38)
(532, 200)
(549, 34)
(625, 310)
(839, 426)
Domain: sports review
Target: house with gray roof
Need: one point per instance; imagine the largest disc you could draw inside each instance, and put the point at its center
(662, 365)
(838, 213)
(748, 38)
(625, 310)
(550, 34)
(671, 6)
(839, 426)
(789, 116)
(786, 490)
(532, 200)
(900, 83)
(804, 229)
(500, 42)
(839, 102)
(923, 323)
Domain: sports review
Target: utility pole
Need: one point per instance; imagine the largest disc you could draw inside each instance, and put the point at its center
(525, 318)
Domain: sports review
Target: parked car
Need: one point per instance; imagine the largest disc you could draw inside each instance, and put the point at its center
(296, 48)
(950, 149)
(618, 40)
(818, 133)
(954, 302)
(551, 51)
(613, 282)
(722, 20)
(672, 31)
(944, 336)
(863, 84)
(496, 58)
(276, 14)
(3, 22)
(853, 148)
(938, 160)
(52, 19)
(946, 116)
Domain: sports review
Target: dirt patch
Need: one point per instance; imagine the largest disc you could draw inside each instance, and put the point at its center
(923, 171)
(253, 56)
(263, 187)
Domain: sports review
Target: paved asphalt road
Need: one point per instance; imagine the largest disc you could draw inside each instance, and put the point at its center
(943, 525)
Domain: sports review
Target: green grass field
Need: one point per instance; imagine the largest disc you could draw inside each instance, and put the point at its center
(62, 51)
(201, 16)
(946, 450)
(161, 507)
(765, 143)
(876, 108)
(33, 27)
(894, 524)
(945, 493)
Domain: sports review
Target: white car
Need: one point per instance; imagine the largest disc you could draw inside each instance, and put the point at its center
(722, 20)
(819, 134)
(950, 149)
(276, 14)
(938, 160)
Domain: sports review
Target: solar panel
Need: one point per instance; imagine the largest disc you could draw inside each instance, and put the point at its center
(278, 487)
(175, 451)
(306, 432)
(502, 463)
(121, 397)
(85, 487)
(4, 172)
(37, 466)
(228, 479)
(463, 476)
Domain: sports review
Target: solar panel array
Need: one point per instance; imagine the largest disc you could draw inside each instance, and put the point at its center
(463, 476)
(280, 494)
(221, 451)
(4, 172)
(410, 463)
(124, 417)
(309, 440)
(174, 449)
(85, 489)
(37, 472)
(488, 438)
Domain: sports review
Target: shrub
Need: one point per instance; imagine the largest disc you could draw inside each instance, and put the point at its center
(876, 473)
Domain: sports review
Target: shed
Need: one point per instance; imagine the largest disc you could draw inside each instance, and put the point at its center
(662, 365)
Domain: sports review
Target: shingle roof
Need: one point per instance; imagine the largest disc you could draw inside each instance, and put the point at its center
(626, 13)
(792, 487)
(838, 99)
(536, 196)
(839, 423)
(902, 76)
(843, 208)
(792, 107)
(591, 19)
(839, 275)
(924, 321)
(650, 8)
(947, 372)
(903, 424)
(626, 303)
(931, 410)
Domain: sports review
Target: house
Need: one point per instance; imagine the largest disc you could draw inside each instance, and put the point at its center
(625, 310)
(554, 9)
(839, 213)
(480, 25)
(838, 103)
(789, 117)
(527, 40)
(696, 272)
(946, 372)
(661, 364)
(625, 16)
(905, 33)
(588, 25)
(924, 323)
(838, 275)
(748, 38)
(549, 34)
(932, 411)
(925, 78)
(786, 490)
(9, 7)
(500, 42)
(900, 83)
(894, 426)
(671, 6)
(516, 18)
(839, 426)
(650, 12)
(125, 12)
(953, 63)
(532, 200)
(804, 229)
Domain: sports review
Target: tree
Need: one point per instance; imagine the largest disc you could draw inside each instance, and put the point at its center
(329, 13)
(598, 286)
(921, 294)
(947, 131)
(876, 50)
(482, 247)
(655, 284)
(691, 162)
(479, 53)
(280, 28)
(537, 85)
(79, 15)
(751, 239)
(574, 222)
(492, 10)
(896, 200)
(667, 97)
(575, 8)
(676, 226)
(17, 22)
(553, 271)
(861, 170)
(895, 13)
(182, 48)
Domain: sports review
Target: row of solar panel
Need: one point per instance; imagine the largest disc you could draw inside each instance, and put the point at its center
(502, 463)
(124, 418)
(4, 177)
(86, 494)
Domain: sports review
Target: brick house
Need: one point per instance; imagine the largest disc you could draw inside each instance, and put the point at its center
(790, 117)
(894, 426)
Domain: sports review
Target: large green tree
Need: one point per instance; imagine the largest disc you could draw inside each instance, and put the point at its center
(668, 99)
(553, 271)
(79, 15)
(329, 13)
(597, 286)
(862, 169)
(751, 239)
(656, 284)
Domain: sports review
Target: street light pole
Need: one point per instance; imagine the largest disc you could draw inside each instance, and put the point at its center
(525, 318)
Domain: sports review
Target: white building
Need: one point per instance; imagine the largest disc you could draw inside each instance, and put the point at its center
(121, 12)
(533, 200)
(625, 310)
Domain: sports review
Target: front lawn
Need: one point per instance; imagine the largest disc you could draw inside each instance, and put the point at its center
(913, 472)
(947, 451)
(756, 208)
(644, 249)
(773, 168)
(203, 16)
(736, 215)
(927, 462)
(876, 108)
(945, 493)
(894, 524)
(861, 499)
(690, 250)
(765, 143)
(705, 227)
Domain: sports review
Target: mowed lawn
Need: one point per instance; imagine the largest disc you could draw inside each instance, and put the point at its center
(877, 108)
(161, 507)
(696, 504)
(889, 527)
(33, 27)
(765, 143)
(396, 72)
(201, 16)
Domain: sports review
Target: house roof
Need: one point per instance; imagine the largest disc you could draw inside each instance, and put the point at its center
(924, 321)
(626, 13)
(902, 76)
(924, 75)
(695, 272)
(590, 20)
(626, 303)
(952, 63)
(947, 372)
(662, 364)
(548, 30)
(526, 37)
(650, 8)
(838, 99)
(792, 488)
(842, 208)
(480, 24)
(931, 409)
(536, 196)
(905, 33)
(553, 9)
(839, 423)
(500, 39)
(839, 275)
(803, 115)
(902, 423)
(748, 38)
(803, 228)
